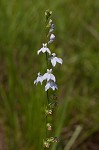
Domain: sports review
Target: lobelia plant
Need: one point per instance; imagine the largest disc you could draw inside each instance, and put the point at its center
(49, 78)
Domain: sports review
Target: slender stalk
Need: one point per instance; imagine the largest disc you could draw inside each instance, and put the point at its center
(46, 60)
(47, 102)
(47, 96)
(47, 67)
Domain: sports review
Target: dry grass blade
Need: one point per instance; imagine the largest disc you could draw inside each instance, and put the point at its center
(73, 138)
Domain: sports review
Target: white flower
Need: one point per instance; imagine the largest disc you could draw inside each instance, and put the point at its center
(44, 49)
(52, 38)
(50, 84)
(49, 76)
(39, 79)
(55, 59)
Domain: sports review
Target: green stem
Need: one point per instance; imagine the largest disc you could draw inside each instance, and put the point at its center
(47, 94)
(47, 98)
(47, 68)
(47, 65)
(46, 60)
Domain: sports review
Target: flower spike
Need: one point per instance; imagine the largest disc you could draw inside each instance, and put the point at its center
(50, 81)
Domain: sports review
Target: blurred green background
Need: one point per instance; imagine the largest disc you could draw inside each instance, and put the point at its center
(22, 25)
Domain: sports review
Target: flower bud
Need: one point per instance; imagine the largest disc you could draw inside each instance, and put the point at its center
(53, 139)
(46, 144)
(52, 38)
(49, 127)
(50, 139)
(48, 14)
(52, 28)
(48, 112)
(52, 105)
(56, 139)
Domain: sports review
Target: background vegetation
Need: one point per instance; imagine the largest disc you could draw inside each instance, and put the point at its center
(77, 42)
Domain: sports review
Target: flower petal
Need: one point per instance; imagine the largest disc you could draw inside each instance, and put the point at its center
(53, 85)
(38, 52)
(35, 81)
(47, 86)
(53, 61)
(45, 76)
(52, 77)
(47, 49)
(50, 84)
(59, 60)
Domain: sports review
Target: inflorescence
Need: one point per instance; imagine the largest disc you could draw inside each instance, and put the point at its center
(48, 76)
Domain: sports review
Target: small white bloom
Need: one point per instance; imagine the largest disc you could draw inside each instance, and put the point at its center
(44, 49)
(49, 76)
(50, 84)
(55, 59)
(39, 79)
(52, 38)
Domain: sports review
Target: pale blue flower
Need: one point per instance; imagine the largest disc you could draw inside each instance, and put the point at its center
(39, 79)
(50, 84)
(55, 59)
(44, 49)
(49, 76)
(52, 28)
(52, 38)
